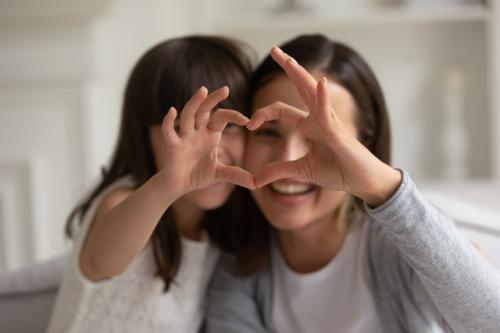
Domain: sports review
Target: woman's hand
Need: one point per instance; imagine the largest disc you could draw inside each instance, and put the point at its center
(191, 159)
(336, 159)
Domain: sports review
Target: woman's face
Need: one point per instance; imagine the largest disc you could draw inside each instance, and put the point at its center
(290, 204)
(230, 152)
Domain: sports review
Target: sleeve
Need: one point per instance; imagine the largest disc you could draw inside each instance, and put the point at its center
(463, 286)
(232, 305)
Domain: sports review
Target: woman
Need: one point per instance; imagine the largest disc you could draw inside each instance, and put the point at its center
(345, 243)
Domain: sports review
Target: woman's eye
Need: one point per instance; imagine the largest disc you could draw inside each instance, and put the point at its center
(268, 133)
(231, 128)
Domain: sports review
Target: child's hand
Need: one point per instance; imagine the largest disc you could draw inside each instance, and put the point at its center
(336, 159)
(191, 160)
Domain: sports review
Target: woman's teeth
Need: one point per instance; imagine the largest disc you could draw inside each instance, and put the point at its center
(291, 188)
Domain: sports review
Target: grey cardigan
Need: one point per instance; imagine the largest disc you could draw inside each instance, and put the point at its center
(423, 275)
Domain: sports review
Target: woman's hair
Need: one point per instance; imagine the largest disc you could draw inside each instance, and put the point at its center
(168, 75)
(346, 67)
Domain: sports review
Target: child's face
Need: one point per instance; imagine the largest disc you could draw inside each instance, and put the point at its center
(230, 152)
(290, 204)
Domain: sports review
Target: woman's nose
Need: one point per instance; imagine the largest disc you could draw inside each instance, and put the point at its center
(293, 149)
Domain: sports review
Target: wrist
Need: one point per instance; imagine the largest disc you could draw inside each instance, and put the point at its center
(167, 188)
(383, 187)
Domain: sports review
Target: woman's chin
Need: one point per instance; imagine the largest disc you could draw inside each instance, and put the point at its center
(285, 212)
(282, 223)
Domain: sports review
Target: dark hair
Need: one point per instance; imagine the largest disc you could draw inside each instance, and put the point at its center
(346, 67)
(168, 75)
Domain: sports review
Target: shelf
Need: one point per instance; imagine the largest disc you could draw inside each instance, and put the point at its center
(403, 15)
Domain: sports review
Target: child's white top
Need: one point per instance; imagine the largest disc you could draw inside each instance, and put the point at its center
(134, 301)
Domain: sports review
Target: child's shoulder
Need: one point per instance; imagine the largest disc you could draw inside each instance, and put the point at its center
(113, 197)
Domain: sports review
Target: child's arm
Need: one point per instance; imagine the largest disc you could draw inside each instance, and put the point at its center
(125, 219)
(122, 225)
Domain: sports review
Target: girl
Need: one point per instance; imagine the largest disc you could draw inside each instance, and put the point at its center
(323, 264)
(142, 258)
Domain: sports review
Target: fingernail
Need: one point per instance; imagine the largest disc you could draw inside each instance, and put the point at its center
(278, 49)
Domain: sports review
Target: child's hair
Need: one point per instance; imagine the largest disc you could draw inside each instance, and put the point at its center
(346, 67)
(168, 75)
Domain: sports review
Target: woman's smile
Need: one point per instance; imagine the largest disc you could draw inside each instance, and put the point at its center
(290, 192)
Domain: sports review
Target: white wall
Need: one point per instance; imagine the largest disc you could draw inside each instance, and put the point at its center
(63, 67)
(119, 37)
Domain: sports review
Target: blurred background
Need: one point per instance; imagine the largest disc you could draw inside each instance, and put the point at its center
(64, 64)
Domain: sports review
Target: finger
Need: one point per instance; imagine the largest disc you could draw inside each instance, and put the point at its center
(323, 106)
(190, 109)
(168, 125)
(280, 170)
(220, 118)
(293, 69)
(235, 175)
(203, 114)
(277, 111)
(326, 113)
(304, 82)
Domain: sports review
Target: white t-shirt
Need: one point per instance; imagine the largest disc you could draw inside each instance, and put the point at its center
(335, 298)
(134, 301)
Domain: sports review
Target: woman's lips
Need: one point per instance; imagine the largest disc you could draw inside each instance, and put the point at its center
(287, 187)
(290, 192)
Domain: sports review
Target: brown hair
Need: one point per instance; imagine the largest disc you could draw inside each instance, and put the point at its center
(346, 67)
(168, 75)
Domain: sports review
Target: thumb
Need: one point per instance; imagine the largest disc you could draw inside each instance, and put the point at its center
(281, 170)
(235, 175)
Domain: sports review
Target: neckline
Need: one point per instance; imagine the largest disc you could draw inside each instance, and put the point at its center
(348, 245)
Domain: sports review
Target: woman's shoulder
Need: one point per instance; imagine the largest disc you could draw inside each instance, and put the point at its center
(227, 277)
(228, 264)
(382, 251)
(238, 301)
(385, 265)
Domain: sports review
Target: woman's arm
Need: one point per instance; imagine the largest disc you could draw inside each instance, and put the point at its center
(462, 284)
